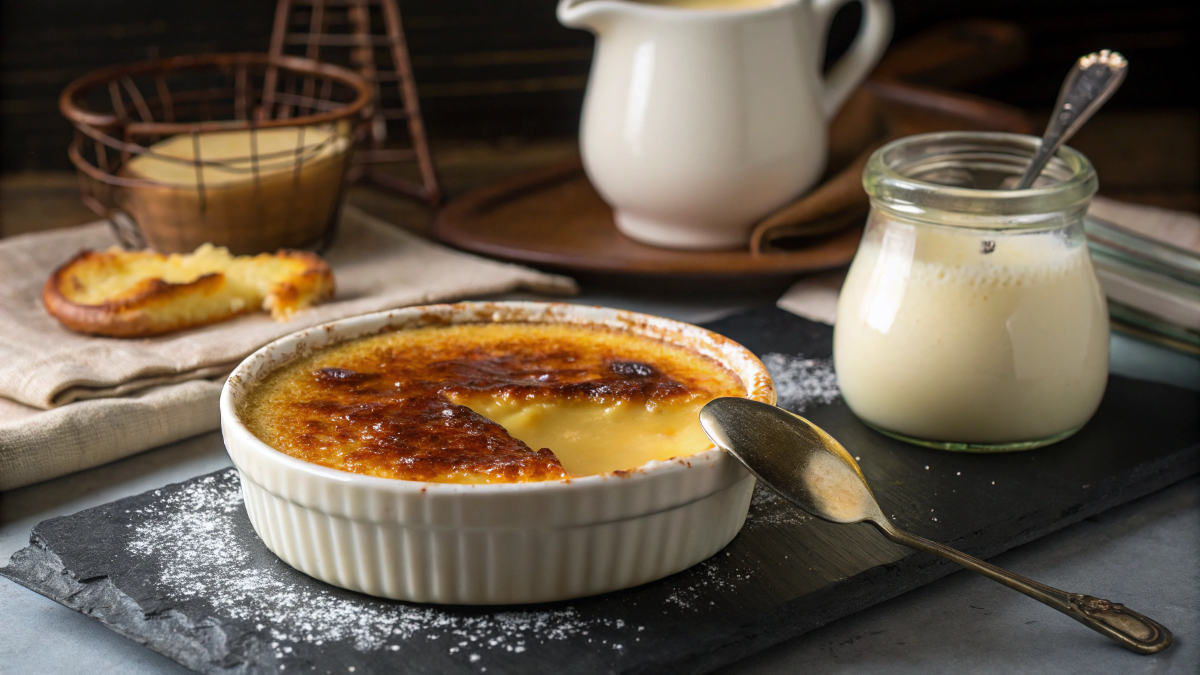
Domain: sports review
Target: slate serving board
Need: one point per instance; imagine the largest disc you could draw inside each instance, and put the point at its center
(181, 571)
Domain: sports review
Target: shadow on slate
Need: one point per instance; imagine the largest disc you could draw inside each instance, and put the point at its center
(783, 575)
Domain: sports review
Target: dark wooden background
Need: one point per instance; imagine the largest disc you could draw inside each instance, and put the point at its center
(493, 68)
(501, 84)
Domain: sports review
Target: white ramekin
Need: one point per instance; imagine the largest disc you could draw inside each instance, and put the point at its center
(498, 543)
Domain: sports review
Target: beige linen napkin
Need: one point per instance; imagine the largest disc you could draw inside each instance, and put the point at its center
(377, 266)
(79, 401)
(37, 445)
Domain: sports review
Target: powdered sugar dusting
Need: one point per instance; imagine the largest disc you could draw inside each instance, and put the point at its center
(802, 382)
(723, 574)
(768, 508)
(716, 573)
(192, 534)
(726, 572)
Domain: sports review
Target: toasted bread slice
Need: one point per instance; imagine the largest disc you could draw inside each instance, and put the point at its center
(139, 293)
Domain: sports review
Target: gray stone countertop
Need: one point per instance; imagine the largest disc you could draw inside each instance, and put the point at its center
(1145, 554)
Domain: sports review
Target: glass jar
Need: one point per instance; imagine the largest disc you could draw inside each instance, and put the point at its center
(971, 318)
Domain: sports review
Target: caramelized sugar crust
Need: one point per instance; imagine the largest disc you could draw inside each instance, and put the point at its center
(391, 405)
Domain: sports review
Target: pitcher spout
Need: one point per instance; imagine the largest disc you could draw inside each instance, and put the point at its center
(592, 15)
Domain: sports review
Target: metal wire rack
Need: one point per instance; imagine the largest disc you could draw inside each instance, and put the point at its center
(367, 36)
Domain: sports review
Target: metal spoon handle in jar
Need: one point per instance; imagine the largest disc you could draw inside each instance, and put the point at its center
(1092, 80)
(1127, 627)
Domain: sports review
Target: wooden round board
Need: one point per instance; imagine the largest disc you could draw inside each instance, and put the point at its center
(553, 217)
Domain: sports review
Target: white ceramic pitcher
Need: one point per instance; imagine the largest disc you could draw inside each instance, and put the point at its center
(699, 122)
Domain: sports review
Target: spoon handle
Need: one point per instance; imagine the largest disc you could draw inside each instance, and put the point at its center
(1092, 80)
(1129, 628)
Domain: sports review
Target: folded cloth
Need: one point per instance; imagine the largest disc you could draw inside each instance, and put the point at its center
(1177, 228)
(815, 297)
(77, 401)
(37, 445)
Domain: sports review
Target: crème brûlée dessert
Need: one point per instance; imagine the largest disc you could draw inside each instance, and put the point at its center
(490, 403)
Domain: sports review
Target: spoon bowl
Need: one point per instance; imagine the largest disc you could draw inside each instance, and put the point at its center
(807, 466)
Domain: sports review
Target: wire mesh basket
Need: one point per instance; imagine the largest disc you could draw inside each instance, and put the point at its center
(247, 151)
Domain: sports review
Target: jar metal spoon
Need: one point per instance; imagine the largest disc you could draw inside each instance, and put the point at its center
(810, 469)
(1092, 81)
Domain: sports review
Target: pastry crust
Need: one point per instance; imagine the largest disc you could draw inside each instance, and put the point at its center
(121, 293)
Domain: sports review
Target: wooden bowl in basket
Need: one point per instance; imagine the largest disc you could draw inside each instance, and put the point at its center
(246, 151)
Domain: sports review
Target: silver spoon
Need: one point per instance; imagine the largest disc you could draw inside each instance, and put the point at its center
(806, 466)
(1092, 80)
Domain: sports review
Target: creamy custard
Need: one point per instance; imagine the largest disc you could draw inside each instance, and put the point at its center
(238, 156)
(943, 334)
(484, 403)
(600, 437)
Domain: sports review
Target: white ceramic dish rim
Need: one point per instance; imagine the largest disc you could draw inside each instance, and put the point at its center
(275, 354)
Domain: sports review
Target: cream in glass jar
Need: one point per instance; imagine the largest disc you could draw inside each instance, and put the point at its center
(971, 318)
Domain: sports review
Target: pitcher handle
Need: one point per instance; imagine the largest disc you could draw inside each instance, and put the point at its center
(864, 52)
